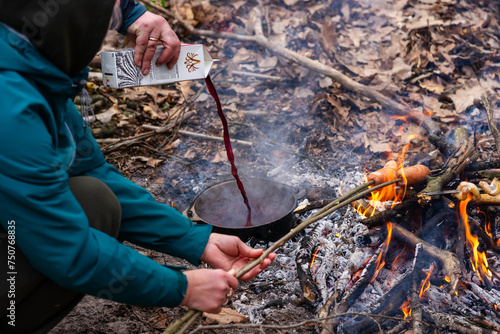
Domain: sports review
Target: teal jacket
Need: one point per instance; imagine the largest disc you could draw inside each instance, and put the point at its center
(44, 141)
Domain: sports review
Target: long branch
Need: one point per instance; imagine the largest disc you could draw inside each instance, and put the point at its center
(295, 57)
(491, 122)
(335, 205)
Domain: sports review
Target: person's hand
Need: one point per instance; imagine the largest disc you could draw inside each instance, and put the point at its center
(146, 31)
(209, 290)
(230, 253)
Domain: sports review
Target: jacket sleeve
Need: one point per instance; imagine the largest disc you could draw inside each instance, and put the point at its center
(52, 230)
(150, 224)
(131, 11)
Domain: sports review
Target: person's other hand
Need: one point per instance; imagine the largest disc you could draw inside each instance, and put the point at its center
(229, 252)
(209, 290)
(146, 31)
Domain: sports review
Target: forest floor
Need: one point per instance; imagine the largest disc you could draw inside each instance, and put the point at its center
(434, 58)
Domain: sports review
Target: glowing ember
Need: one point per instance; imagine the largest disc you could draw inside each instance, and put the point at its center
(478, 260)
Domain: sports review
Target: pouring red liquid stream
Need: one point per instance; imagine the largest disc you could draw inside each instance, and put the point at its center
(229, 149)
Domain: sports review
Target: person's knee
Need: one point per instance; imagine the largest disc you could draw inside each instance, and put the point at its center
(99, 203)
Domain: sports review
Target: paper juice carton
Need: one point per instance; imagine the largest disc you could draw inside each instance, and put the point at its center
(119, 69)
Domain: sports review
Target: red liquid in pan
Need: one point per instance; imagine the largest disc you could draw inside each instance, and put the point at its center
(229, 149)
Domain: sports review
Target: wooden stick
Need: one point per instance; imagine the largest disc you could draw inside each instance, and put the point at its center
(258, 76)
(491, 122)
(335, 205)
(450, 262)
(295, 57)
(456, 164)
(129, 141)
(199, 135)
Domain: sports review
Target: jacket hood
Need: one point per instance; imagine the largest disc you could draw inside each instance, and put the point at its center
(19, 55)
(67, 32)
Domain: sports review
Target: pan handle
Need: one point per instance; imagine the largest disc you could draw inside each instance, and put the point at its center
(191, 214)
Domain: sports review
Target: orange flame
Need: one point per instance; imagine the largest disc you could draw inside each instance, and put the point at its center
(314, 255)
(426, 284)
(391, 192)
(479, 261)
(381, 255)
(406, 308)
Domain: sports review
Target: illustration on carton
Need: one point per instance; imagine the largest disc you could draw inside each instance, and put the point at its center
(120, 71)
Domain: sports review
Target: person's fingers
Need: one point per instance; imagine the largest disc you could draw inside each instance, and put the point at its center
(258, 269)
(148, 54)
(247, 251)
(172, 48)
(232, 282)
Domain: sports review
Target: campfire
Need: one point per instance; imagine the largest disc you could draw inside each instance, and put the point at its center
(425, 251)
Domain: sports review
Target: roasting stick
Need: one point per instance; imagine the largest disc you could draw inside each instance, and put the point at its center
(357, 193)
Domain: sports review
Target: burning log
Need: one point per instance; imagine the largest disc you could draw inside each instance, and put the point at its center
(449, 261)
(388, 305)
(398, 209)
(308, 245)
(352, 294)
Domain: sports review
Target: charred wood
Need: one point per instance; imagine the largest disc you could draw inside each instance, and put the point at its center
(487, 239)
(437, 138)
(449, 261)
(381, 218)
(308, 245)
(448, 322)
(464, 155)
(388, 305)
(346, 300)
(416, 307)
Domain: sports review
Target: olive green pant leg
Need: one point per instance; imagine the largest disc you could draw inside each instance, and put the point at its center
(41, 303)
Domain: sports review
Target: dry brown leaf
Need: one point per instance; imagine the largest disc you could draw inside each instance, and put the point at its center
(400, 70)
(303, 92)
(220, 156)
(192, 153)
(225, 317)
(380, 147)
(153, 162)
(106, 116)
(341, 110)
(267, 63)
(432, 86)
(185, 87)
(151, 111)
(465, 96)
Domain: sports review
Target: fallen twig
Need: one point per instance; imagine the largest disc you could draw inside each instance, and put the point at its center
(359, 192)
(491, 122)
(258, 76)
(198, 135)
(295, 57)
(129, 141)
(299, 324)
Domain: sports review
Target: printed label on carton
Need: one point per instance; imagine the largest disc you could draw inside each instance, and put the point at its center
(120, 71)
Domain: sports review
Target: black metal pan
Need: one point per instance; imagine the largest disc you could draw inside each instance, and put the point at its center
(222, 207)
